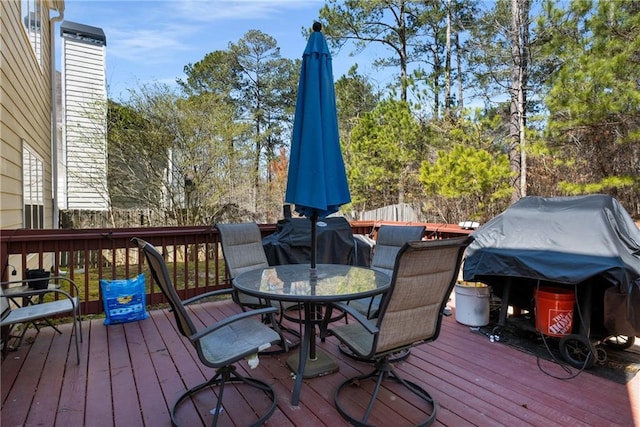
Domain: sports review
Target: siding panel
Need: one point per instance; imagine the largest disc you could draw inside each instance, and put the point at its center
(25, 113)
(84, 99)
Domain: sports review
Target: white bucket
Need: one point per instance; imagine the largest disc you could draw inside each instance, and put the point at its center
(472, 305)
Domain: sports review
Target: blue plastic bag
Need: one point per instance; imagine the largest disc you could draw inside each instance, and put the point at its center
(124, 300)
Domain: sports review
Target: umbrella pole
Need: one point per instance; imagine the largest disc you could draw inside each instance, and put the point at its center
(314, 256)
(314, 240)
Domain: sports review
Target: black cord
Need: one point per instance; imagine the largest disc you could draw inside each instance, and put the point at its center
(495, 335)
(564, 366)
(13, 269)
(4, 269)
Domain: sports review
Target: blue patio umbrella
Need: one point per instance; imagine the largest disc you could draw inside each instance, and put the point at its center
(317, 182)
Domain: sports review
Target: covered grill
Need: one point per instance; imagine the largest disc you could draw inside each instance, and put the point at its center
(587, 243)
(291, 243)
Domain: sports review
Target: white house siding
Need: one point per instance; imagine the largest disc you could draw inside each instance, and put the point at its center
(84, 99)
(25, 111)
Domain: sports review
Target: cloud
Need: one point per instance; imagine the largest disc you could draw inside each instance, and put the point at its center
(155, 32)
(218, 10)
(146, 46)
(152, 40)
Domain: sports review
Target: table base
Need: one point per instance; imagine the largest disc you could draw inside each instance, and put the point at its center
(323, 364)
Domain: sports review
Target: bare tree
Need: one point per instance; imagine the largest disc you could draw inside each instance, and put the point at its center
(519, 37)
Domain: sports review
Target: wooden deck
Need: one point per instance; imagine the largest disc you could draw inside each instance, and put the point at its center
(131, 374)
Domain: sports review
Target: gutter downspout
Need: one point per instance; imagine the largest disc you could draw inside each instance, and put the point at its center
(54, 115)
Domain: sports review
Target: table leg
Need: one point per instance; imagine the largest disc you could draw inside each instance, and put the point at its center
(312, 340)
(304, 352)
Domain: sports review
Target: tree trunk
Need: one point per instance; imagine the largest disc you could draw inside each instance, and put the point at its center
(437, 69)
(524, 82)
(402, 30)
(447, 65)
(517, 152)
(459, 76)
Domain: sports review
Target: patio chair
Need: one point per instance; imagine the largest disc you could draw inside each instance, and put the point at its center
(389, 240)
(424, 275)
(219, 345)
(243, 251)
(35, 307)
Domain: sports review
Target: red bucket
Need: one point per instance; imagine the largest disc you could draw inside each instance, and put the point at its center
(554, 311)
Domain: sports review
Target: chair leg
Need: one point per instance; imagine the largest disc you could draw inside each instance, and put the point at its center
(223, 376)
(80, 322)
(383, 371)
(76, 331)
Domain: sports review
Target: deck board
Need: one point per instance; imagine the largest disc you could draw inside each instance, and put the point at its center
(131, 374)
(99, 398)
(51, 378)
(154, 372)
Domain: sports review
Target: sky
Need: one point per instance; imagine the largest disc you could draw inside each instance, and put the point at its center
(152, 40)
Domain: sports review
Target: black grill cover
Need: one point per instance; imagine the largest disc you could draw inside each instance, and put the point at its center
(291, 243)
(570, 240)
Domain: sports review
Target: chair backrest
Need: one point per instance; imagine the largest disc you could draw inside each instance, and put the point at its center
(424, 275)
(242, 247)
(389, 240)
(161, 275)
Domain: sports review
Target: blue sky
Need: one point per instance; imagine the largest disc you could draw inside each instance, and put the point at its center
(152, 40)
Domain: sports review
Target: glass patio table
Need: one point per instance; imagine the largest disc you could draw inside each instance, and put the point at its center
(298, 283)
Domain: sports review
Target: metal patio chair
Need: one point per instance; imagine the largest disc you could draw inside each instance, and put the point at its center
(35, 307)
(389, 240)
(424, 275)
(219, 345)
(243, 251)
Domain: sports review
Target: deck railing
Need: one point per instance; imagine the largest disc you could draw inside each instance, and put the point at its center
(85, 256)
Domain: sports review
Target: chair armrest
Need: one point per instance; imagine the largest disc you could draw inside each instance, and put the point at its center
(73, 288)
(229, 320)
(207, 295)
(359, 317)
(50, 279)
